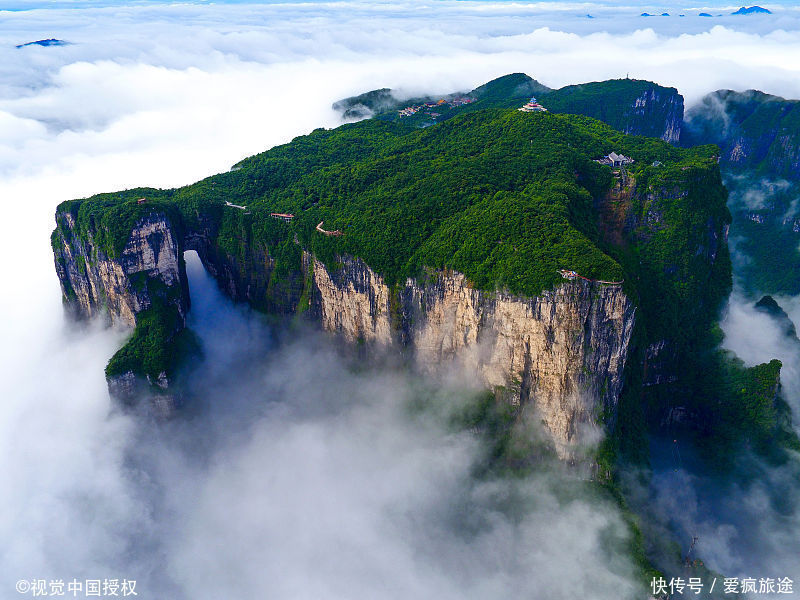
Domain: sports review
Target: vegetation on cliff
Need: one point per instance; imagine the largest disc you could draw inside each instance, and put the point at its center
(109, 218)
(759, 135)
(740, 407)
(158, 345)
(621, 104)
(630, 105)
(507, 198)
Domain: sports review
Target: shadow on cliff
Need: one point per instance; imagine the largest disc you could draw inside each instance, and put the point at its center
(745, 517)
(303, 473)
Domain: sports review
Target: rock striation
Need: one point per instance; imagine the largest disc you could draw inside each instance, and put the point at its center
(127, 288)
(95, 283)
(560, 355)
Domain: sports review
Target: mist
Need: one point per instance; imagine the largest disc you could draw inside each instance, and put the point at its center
(745, 520)
(303, 473)
(298, 472)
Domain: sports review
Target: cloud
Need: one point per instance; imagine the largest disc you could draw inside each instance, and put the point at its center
(277, 476)
(743, 522)
(757, 195)
(298, 476)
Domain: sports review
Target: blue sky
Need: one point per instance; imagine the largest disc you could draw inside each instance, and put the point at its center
(720, 5)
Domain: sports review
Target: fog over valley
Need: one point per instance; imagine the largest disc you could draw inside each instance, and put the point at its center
(300, 466)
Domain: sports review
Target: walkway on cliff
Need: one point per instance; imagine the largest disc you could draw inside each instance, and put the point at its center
(323, 231)
(572, 275)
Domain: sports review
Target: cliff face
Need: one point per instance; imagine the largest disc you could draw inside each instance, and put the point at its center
(151, 264)
(679, 223)
(655, 106)
(628, 105)
(143, 286)
(560, 355)
(754, 130)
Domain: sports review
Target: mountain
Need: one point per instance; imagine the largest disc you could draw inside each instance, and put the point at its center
(755, 130)
(759, 137)
(768, 305)
(45, 43)
(504, 92)
(508, 91)
(752, 10)
(367, 104)
(441, 241)
(629, 105)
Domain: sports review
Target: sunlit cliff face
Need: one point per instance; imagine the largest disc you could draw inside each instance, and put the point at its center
(296, 471)
(294, 475)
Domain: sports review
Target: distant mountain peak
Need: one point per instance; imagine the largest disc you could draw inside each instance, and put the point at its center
(768, 305)
(752, 10)
(45, 43)
(511, 85)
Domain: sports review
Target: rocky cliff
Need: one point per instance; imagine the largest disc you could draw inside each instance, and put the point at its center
(140, 284)
(452, 239)
(559, 356)
(667, 108)
(93, 282)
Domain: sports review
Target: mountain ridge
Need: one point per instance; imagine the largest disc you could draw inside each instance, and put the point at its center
(632, 106)
(474, 216)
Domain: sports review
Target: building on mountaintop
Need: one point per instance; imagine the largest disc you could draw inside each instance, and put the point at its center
(615, 160)
(532, 106)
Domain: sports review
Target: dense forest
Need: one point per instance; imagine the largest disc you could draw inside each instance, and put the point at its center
(506, 198)
(630, 105)
(502, 196)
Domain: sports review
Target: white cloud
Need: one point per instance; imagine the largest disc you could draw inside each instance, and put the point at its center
(162, 95)
(756, 338)
(302, 479)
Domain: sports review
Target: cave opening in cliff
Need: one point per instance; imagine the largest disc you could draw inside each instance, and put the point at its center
(320, 474)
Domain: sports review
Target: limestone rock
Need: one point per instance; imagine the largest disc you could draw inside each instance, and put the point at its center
(566, 348)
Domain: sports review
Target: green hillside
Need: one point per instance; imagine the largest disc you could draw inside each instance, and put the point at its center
(759, 135)
(617, 102)
(502, 196)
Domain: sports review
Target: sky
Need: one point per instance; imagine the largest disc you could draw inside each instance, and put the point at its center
(162, 94)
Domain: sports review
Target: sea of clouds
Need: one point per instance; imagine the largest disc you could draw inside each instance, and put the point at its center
(307, 487)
